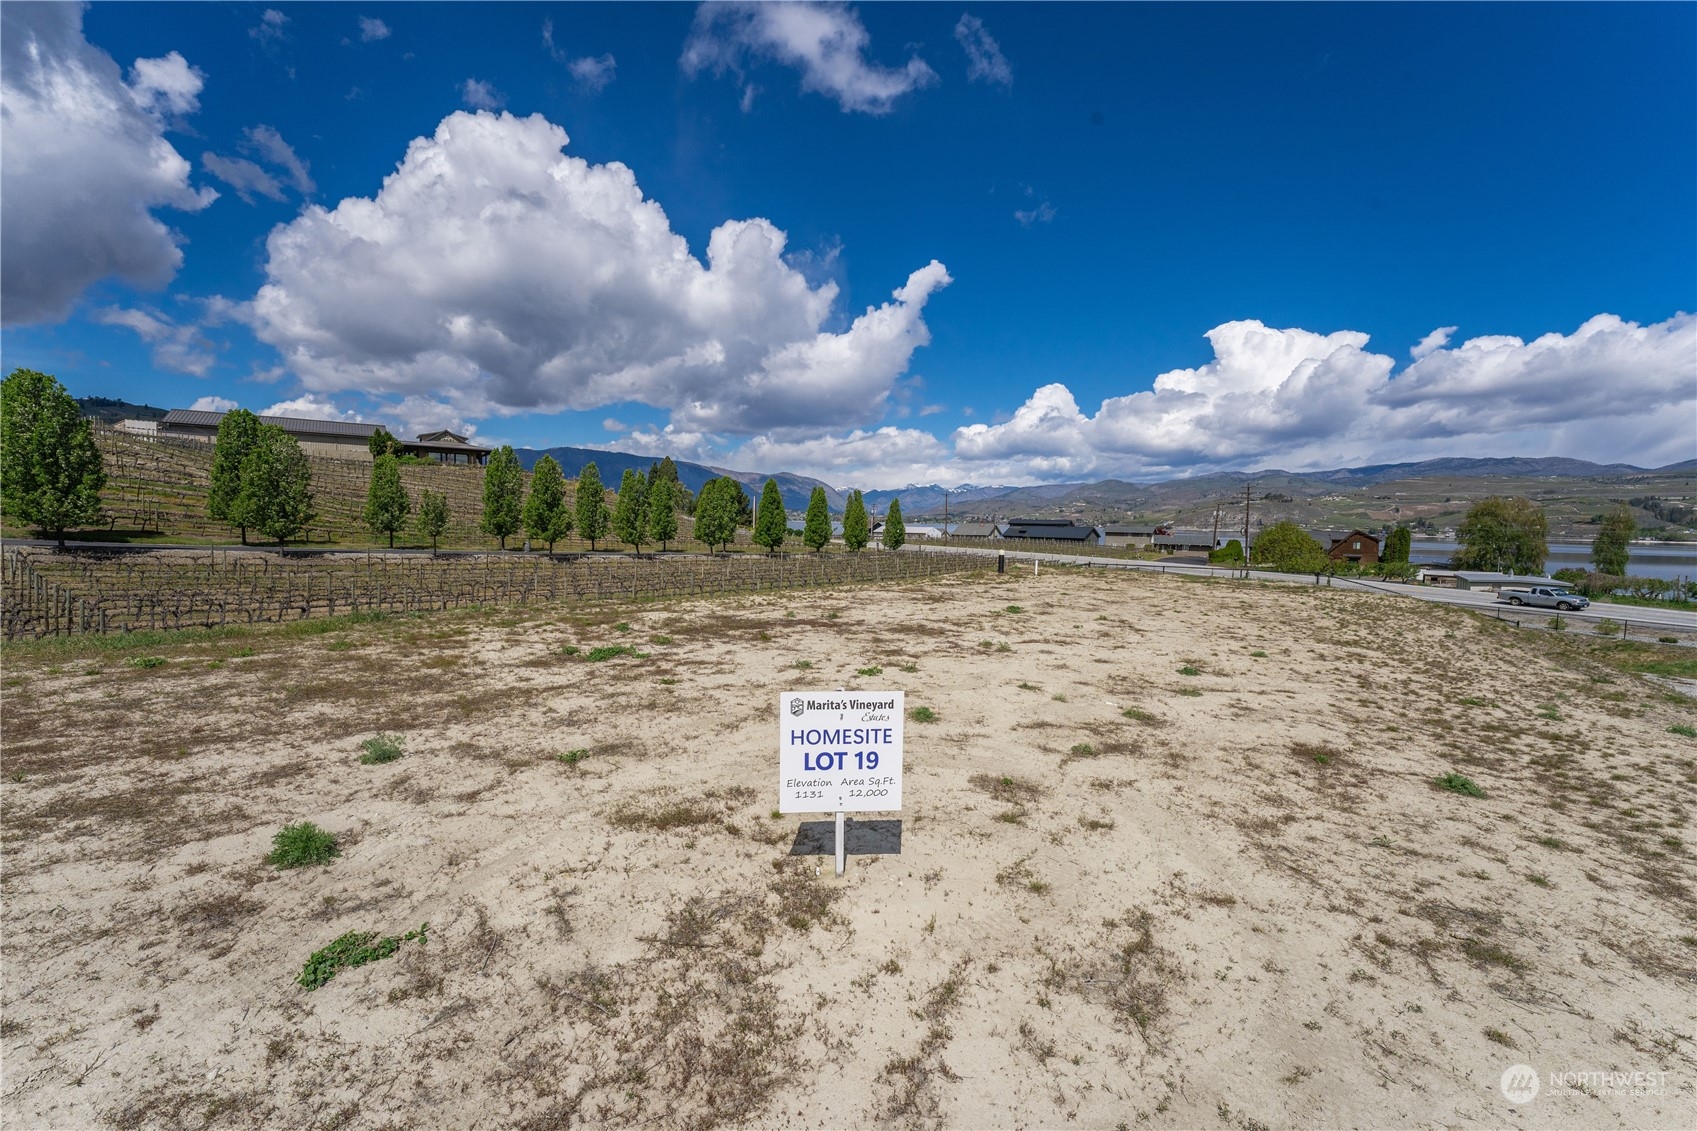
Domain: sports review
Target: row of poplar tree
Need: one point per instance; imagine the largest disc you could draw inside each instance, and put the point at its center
(644, 512)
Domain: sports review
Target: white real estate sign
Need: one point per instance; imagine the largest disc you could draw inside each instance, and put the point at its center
(839, 751)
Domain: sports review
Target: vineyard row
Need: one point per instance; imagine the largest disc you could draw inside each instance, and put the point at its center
(43, 593)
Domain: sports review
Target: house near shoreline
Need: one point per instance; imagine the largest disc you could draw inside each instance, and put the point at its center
(338, 439)
(1356, 546)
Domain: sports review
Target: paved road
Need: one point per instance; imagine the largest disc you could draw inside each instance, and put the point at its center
(1635, 619)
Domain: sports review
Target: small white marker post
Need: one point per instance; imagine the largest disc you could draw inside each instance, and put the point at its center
(840, 750)
(842, 848)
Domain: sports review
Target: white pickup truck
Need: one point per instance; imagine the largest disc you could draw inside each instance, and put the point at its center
(1544, 597)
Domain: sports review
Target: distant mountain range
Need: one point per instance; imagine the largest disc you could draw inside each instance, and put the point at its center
(1005, 501)
(1009, 501)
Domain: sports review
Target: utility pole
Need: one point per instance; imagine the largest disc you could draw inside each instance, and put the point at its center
(1246, 486)
(1216, 544)
(945, 512)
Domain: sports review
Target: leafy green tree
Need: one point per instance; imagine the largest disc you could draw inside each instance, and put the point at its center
(771, 525)
(238, 431)
(1229, 554)
(739, 498)
(1398, 543)
(817, 531)
(895, 530)
(630, 511)
(1506, 535)
(50, 471)
(503, 487)
(546, 518)
(591, 505)
(382, 443)
(386, 503)
(432, 516)
(857, 527)
(1609, 548)
(716, 513)
(1288, 548)
(662, 515)
(683, 499)
(276, 496)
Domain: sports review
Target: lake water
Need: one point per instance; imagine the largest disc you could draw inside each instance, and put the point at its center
(1670, 561)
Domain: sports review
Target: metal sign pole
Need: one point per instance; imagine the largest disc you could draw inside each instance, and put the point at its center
(840, 845)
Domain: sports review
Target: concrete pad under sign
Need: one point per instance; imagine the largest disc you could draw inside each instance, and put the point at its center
(860, 838)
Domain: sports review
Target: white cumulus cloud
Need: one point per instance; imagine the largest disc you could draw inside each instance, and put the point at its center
(1436, 340)
(826, 42)
(372, 29)
(984, 59)
(83, 163)
(1611, 391)
(213, 404)
(309, 407)
(495, 274)
(269, 30)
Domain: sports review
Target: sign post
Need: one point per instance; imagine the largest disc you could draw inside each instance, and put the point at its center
(841, 751)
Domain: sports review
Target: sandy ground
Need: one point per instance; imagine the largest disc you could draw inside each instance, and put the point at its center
(1125, 895)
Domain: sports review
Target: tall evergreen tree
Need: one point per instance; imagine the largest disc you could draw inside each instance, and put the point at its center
(816, 532)
(591, 505)
(380, 443)
(1398, 543)
(738, 495)
(662, 516)
(50, 471)
(237, 434)
(276, 495)
(630, 510)
(386, 503)
(857, 526)
(546, 517)
(716, 513)
(895, 530)
(432, 516)
(503, 486)
(1609, 551)
(771, 525)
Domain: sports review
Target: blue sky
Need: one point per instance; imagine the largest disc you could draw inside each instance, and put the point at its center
(879, 244)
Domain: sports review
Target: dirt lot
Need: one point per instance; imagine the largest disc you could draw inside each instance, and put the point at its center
(1173, 855)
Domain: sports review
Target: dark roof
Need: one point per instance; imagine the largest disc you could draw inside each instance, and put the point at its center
(194, 418)
(1055, 530)
(975, 530)
(457, 444)
(442, 437)
(1144, 528)
(1043, 522)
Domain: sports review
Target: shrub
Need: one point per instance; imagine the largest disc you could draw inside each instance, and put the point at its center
(1606, 627)
(1683, 730)
(295, 846)
(573, 757)
(379, 749)
(147, 662)
(1190, 669)
(873, 670)
(613, 651)
(1668, 639)
(923, 715)
(355, 948)
(1456, 783)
